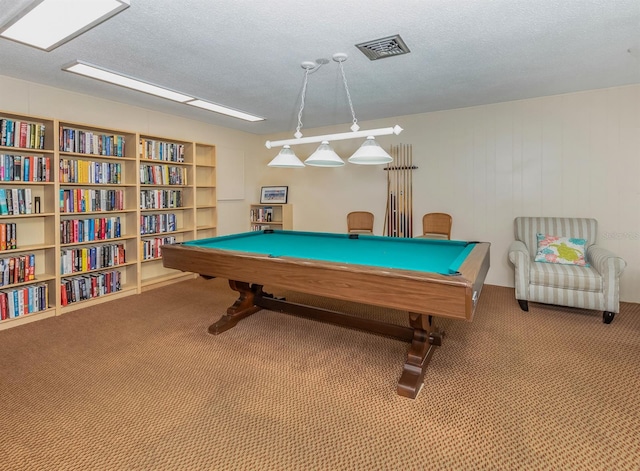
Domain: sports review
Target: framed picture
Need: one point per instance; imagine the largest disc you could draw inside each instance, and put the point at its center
(274, 194)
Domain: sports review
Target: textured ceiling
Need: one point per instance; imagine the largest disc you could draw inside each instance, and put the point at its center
(247, 54)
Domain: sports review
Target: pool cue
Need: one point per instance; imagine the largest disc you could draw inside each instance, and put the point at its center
(404, 190)
(404, 185)
(407, 209)
(411, 190)
(393, 199)
(397, 202)
(404, 194)
(385, 228)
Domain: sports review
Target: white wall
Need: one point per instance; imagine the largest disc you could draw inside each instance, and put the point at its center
(573, 155)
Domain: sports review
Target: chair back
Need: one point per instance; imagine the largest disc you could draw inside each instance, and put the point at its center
(360, 222)
(437, 224)
(527, 228)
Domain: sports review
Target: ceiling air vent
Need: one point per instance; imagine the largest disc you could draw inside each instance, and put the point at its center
(384, 47)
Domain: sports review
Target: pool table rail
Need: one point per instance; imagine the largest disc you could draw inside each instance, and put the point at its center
(453, 296)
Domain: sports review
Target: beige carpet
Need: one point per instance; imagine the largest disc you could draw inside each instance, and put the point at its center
(138, 384)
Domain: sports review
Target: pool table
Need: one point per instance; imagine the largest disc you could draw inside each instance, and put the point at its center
(423, 277)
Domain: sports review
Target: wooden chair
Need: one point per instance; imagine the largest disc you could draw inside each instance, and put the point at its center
(360, 222)
(436, 226)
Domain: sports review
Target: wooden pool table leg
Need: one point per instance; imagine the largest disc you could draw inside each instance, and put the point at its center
(425, 339)
(243, 307)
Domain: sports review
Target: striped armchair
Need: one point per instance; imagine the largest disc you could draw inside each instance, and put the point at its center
(593, 287)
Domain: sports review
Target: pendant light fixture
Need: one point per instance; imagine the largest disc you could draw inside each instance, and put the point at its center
(324, 156)
(369, 153)
(286, 159)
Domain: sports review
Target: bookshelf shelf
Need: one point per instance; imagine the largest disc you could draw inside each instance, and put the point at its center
(31, 317)
(126, 290)
(75, 164)
(27, 248)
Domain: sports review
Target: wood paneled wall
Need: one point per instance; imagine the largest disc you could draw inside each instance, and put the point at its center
(567, 155)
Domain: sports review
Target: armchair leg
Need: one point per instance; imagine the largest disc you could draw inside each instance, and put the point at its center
(607, 317)
(524, 304)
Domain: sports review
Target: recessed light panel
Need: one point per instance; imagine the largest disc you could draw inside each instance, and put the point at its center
(47, 24)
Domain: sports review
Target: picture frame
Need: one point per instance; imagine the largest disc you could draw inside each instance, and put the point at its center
(274, 194)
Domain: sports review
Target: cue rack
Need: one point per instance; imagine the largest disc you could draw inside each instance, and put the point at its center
(399, 211)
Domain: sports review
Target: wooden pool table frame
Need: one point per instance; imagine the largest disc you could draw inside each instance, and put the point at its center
(421, 294)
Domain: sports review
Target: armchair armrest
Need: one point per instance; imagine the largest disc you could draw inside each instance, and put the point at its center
(610, 268)
(519, 256)
(605, 261)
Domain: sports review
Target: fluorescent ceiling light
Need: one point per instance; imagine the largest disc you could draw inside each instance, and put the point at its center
(47, 24)
(224, 110)
(88, 70)
(92, 71)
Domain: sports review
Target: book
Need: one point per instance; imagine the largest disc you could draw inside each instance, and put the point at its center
(27, 201)
(3, 306)
(27, 169)
(22, 204)
(3, 202)
(15, 202)
(63, 293)
(32, 267)
(12, 230)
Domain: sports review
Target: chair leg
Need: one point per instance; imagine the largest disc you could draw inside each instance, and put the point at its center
(607, 317)
(524, 304)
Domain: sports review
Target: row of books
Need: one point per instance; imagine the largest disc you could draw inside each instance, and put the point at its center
(8, 235)
(258, 227)
(160, 199)
(15, 201)
(84, 200)
(154, 223)
(264, 214)
(158, 150)
(91, 258)
(18, 269)
(87, 171)
(22, 301)
(163, 175)
(88, 142)
(25, 168)
(80, 288)
(86, 230)
(16, 133)
(152, 248)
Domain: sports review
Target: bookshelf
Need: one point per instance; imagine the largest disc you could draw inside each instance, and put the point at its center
(205, 187)
(166, 201)
(270, 216)
(97, 215)
(89, 208)
(27, 230)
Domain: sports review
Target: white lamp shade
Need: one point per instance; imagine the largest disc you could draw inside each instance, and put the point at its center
(286, 158)
(324, 156)
(370, 153)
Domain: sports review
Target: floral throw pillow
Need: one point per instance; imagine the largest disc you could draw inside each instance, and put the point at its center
(563, 250)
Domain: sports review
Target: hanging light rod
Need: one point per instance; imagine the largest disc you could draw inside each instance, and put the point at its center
(369, 153)
(335, 137)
